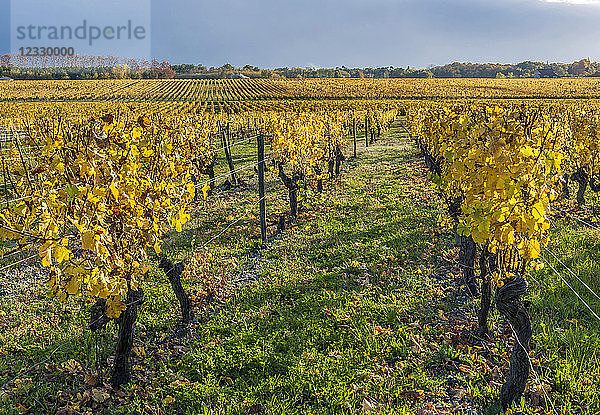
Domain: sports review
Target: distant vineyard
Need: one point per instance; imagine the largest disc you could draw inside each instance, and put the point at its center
(229, 90)
(140, 90)
(16, 112)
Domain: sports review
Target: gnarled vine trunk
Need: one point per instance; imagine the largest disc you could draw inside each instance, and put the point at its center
(431, 162)
(293, 196)
(510, 305)
(318, 172)
(487, 265)
(280, 225)
(209, 170)
(339, 158)
(331, 166)
(292, 185)
(565, 186)
(484, 309)
(98, 318)
(466, 261)
(582, 177)
(121, 373)
(211, 179)
(468, 249)
(173, 273)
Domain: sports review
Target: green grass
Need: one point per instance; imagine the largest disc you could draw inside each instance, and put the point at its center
(353, 309)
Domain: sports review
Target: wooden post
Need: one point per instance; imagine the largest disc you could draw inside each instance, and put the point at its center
(228, 155)
(366, 130)
(354, 134)
(330, 159)
(329, 140)
(261, 187)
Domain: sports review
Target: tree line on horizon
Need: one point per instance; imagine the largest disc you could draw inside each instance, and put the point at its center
(82, 67)
(163, 70)
(526, 69)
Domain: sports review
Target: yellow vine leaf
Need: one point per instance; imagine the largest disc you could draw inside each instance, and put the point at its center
(114, 190)
(88, 240)
(157, 248)
(205, 190)
(114, 306)
(73, 286)
(61, 253)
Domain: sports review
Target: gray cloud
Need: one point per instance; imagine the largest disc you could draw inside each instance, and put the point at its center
(372, 33)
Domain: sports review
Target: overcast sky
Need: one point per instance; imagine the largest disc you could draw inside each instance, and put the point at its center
(359, 33)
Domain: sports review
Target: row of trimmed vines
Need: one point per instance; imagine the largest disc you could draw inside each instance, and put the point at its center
(95, 194)
(498, 169)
